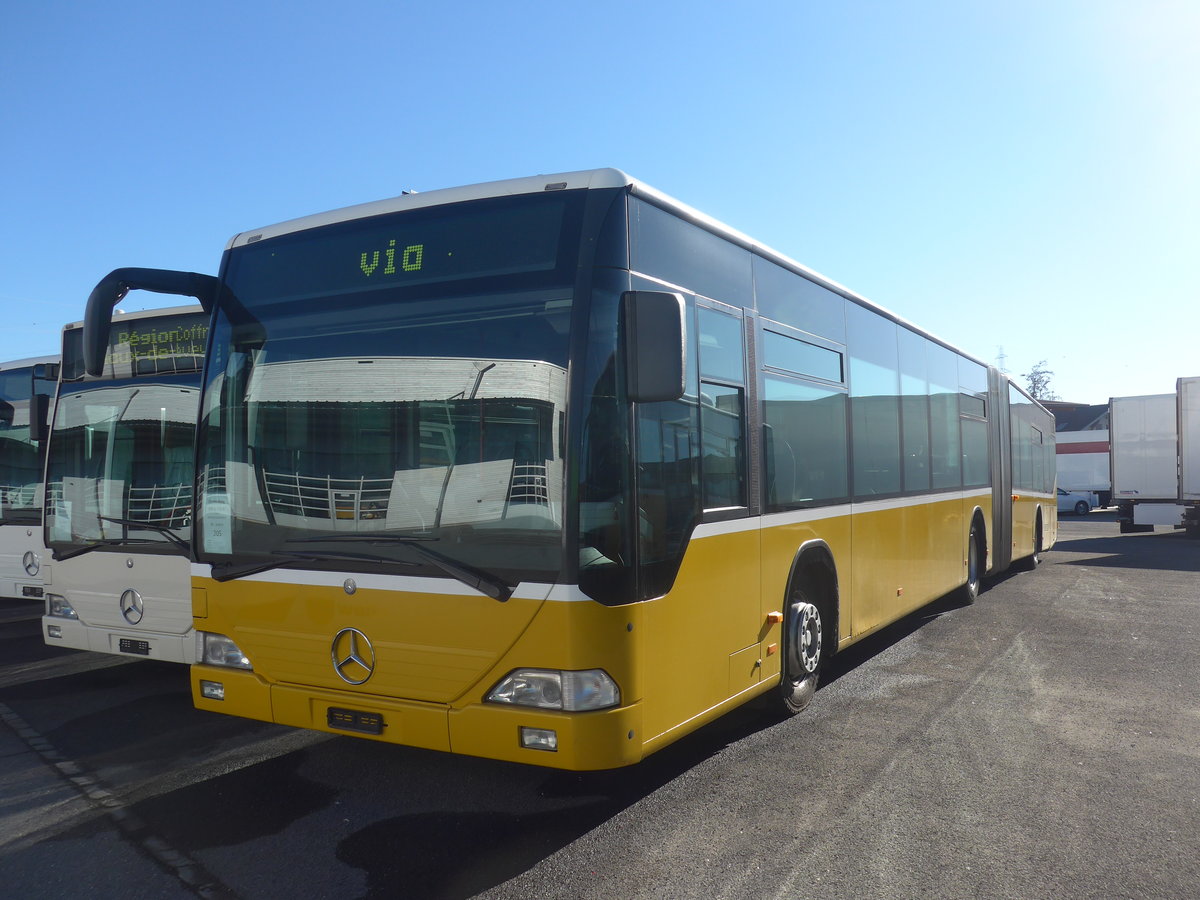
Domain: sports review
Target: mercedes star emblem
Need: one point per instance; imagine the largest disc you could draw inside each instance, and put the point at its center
(353, 656)
(31, 562)
(132, 607)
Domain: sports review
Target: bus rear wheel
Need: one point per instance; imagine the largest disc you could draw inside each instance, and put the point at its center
(1030, 562)
(803, 654)
(969, 592)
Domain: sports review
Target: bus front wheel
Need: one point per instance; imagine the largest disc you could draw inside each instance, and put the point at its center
(803, 654)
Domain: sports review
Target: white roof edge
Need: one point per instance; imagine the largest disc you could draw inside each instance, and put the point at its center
(534, 184)
(146, 314)
(29, 361)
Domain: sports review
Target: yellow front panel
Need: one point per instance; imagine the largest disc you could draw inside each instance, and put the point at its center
(712, 612)
(429, 647)
(268, 621)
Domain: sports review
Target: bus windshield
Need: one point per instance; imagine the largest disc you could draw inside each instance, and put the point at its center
(20, 454)
(120, 462)
(392, 391)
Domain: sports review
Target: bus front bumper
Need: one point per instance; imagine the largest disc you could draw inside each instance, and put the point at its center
(604, 739)
(71, 633)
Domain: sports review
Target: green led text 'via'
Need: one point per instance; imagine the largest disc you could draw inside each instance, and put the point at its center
(410, 259)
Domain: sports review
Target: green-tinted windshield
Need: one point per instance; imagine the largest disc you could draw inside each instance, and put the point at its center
(121, 463)
(120, 467)
(20, 455)
(389, 381)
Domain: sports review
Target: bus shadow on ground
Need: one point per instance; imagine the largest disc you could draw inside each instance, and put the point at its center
(504, 845)
(1167, 551)
(434, 825)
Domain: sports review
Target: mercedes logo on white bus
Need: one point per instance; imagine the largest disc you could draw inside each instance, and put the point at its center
(31, 563)
(132, 607)
(353, 656)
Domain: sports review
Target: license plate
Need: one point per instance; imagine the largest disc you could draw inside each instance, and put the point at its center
(27, 591)
(129, 645)
(354, 720)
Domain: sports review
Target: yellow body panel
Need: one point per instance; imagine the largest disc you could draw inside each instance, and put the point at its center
(680, 660)
(1026, 509)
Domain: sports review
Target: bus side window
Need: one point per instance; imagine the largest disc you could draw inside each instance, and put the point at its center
(722, 409)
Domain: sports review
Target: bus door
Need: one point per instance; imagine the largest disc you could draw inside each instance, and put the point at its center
(694, 456)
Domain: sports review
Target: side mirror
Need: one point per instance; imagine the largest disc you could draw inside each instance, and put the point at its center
(655, 345)
(39, 417)
(97, 320)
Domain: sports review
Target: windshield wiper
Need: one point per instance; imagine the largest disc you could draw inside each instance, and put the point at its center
(484, 582)
(60, 555)
(230, 572)
(166, 532)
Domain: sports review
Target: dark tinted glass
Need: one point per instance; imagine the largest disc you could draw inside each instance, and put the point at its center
(687, 255)
(460, 242)
(721, 423)
(721, 350)
(801, 357)
(875, 403)
(806, 449)
(792, 299)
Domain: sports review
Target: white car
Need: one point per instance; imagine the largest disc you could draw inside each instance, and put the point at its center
(1079, 502)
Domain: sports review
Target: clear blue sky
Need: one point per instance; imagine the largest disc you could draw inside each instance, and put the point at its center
(1016, 174)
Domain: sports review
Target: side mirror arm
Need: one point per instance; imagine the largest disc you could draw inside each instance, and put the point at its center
(97, 320)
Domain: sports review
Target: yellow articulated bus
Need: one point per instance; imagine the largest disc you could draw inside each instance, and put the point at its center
(556, 470)
(119, 481)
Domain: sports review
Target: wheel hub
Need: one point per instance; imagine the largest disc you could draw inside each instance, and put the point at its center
(806, 637)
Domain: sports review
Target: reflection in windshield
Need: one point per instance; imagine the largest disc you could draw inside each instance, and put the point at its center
(402, 375)
(121, 465)
(20, 455)
(462, 449)
(411, 446)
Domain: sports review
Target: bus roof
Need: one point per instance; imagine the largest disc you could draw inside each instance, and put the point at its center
(29, 362)
(589, 178)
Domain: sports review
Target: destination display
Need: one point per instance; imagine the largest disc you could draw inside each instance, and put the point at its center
(491, 238)
(149, 346)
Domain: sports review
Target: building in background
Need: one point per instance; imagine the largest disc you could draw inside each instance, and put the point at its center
(1082, 450)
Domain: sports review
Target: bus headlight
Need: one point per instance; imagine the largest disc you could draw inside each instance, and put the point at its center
(554, 689)
(57, 605)
(218, 650)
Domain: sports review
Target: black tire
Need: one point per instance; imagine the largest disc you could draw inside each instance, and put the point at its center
(1030, 562)
(803, 654)
(969, 592)
(1082, 508)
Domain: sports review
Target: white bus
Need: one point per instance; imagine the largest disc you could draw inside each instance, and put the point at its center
(119, 474)
(26, 394)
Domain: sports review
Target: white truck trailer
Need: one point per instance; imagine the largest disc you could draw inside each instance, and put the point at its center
(1144, 447)
(1187, 406)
